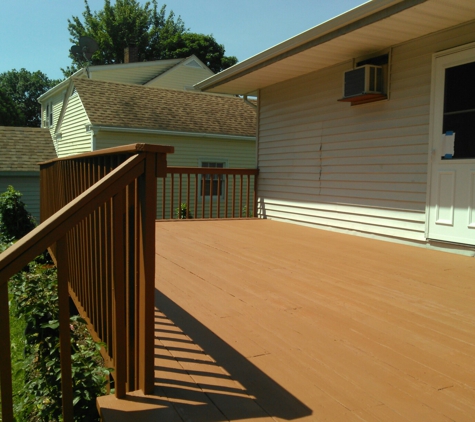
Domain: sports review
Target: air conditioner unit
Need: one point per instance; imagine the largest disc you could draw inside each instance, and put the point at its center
(367, 79)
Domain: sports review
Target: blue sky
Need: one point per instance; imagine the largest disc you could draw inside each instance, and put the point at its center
(34, 33)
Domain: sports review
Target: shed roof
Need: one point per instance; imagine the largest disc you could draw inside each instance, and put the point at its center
(116, 105)
(362, 31)
(24, 147)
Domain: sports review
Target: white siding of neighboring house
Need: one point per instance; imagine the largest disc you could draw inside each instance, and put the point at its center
(28, 184)
(183, 76)
(132, 73)
(74, 138)
(361, 168)
(189, 151)
(57, 102)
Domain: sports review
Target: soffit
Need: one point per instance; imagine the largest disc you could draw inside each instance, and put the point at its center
(297, 56)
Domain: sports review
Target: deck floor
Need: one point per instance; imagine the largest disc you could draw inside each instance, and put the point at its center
(269, 321)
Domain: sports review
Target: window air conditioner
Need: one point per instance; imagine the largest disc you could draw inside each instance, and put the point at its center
(367, 79)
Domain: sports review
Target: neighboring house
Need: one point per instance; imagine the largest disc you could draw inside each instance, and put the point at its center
(180, 74)
(99, 114)
(372, 161)
(22, 148)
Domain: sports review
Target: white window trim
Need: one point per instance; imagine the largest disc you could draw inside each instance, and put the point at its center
(217, 161)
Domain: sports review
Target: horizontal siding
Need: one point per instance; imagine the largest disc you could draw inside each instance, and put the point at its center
(180, 77)
(361, 168)
(189, 152)
(74, 138)
(29, 187)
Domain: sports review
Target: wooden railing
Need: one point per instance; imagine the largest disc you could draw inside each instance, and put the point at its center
(98, 212)
(197, 192)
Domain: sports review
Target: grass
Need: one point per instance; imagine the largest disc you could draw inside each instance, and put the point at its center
(17, 337)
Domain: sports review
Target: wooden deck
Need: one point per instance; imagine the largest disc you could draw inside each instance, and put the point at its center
(261, 320)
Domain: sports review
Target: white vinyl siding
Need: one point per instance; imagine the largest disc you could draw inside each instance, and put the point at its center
(28, 184)
(361, 168)
(133, 73)
(74, 137)
(180, 77)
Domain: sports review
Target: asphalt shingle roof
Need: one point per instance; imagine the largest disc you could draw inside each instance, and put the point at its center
(22, 148)
(135, 106)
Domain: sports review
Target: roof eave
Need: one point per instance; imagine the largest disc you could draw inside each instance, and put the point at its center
(367, 13)
(97, 127)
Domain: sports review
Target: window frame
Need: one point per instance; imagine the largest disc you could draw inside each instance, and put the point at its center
(205, 163)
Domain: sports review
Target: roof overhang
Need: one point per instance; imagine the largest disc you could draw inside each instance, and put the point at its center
(367, 29)
(99, 128)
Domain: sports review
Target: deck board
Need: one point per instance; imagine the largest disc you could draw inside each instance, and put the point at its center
(304, 324)
(258, 320)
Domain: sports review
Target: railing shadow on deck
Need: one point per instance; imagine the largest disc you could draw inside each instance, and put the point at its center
(189, 384)
(271, 398)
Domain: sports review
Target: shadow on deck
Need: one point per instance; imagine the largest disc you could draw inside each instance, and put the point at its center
(201, 379)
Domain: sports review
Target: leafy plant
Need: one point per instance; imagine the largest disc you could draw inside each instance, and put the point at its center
(35, 300)
(15, 220)
(182, 212)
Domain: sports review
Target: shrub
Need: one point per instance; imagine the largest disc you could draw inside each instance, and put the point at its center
(35, 300)
(15, 220)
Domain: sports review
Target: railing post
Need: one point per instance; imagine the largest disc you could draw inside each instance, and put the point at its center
(147, 192)
(5, 356)
(64, 330)
(118, 294)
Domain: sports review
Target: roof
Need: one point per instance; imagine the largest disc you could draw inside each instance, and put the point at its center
(139, 73)
(116, 105)
(24, 147)
(365, 30)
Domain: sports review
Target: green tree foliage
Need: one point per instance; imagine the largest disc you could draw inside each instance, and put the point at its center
(156, 35)
(15, 220)
(10, 114)
(24, 88)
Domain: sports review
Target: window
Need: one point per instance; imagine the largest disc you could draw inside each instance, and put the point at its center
(212, 182)
(459, 108)
(50, 115)
(48, 120)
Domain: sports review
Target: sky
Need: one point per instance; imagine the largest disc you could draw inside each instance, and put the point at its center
(34, 33)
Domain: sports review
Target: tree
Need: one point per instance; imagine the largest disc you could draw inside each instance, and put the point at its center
(205, 47)
(10, 114)
(156, 35)
(24, 88)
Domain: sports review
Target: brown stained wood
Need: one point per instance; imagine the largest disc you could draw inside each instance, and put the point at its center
(172, 193)
(147, 188)
(35, 242)
(119, 295)
(64, 332)
(317, 325)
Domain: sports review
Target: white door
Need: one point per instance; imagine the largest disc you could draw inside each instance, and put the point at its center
(452, 192)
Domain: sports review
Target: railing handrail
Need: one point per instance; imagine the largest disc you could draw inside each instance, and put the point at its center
(211, 170)
(124, 149)
(51, 230)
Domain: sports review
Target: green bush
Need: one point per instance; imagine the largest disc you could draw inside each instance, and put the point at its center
(15, 220)
(35, 300)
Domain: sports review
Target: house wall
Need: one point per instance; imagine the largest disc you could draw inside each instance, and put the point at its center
(74, 137)
(181, 77)
(361, 168)
(28, 184)
(57, 102)
(189, 152)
